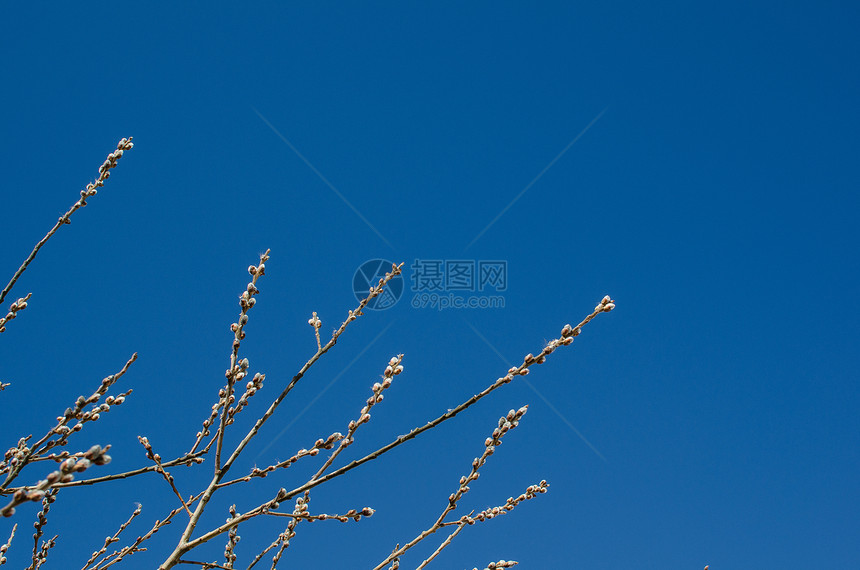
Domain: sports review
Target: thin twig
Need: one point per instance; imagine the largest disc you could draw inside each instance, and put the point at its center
(40, 554)
(156, 458)
(5, 546)
(315, 322)
(205, 565)
(91, 190)
(265, 551)
(446, 542)
(111, 539)
(506, 423)
(117, 556)
(184, 460)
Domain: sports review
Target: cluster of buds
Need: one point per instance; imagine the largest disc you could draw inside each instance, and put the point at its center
(96, 455)
(275, 503)
(506, 423)
(23, 496)
(42, 519)
(235, 373)
(79, 463)
(567, 333)
(91, 415)
(233, 538)
(350, 514)
(18, 305)
(393, 369)
(373, 292)
(515, 371)
(238, 371)
(207, 423)
(259, 270)
(15, 455)
(250, 389)
(150, 454)
(606, 304)
(531, 492)
(499, 564)
(320, 444)
(353, 314)
(376, 290)
(246, 299)
(299, 512)
(77, 413)
(104, 173)
(42, 555)
(112, 158)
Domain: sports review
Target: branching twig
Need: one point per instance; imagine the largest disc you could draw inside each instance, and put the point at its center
(156, 458)
(117, 556)
(111, 539)
(17, 458)
(441, 547)
(394, 368)
(506, 423)
(567, 335)
(185, 543)
(353, 315)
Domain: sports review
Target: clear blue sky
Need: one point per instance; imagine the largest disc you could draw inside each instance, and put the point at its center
(714, 197)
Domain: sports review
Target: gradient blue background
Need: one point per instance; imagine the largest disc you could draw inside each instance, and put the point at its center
(715, 199)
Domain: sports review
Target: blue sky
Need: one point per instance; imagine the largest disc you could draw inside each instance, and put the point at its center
(713, 196)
